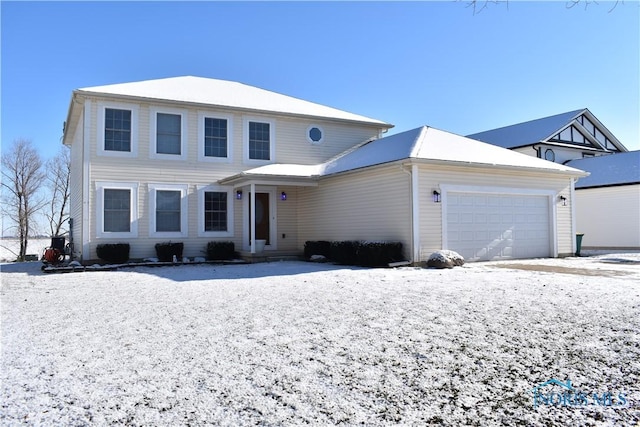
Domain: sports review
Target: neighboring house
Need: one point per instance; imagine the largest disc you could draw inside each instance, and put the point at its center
(574, 135)
(195, 160)
(608, 201)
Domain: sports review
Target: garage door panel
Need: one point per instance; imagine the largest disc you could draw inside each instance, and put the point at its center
(498, 226)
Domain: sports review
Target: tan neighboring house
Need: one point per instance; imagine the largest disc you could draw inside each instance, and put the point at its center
(197, 160)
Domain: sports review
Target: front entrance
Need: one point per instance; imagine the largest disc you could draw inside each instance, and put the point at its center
(263, 227)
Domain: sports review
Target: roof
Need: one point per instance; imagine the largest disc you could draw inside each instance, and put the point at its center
(422, 144)
(227, 94)
(609, 170)
(527, 133)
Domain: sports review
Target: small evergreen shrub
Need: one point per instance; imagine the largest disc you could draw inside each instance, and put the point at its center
(113, 253)
(220, 251)
(165, 251)
(319, 247)
(345, 252)
(378, 254)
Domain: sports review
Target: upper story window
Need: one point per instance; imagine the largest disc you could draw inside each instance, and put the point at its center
(168, 134)
(315, 135)
(214, 137)
(116, 209)
(259, 145)
(117, 130)
(117, 126)
(259, 141)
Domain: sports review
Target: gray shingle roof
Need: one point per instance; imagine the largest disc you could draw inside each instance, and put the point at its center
(610, 170)
(526, 133)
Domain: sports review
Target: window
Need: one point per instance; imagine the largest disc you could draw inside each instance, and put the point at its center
(116, 209)
(215, 137)
(168, 134)
(215, 211)
(168, 130)
(168, 210)
(550, 155)
(315, 134)
(259, 141)
(117, 130)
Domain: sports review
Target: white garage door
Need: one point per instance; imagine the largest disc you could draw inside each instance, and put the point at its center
(483, 226)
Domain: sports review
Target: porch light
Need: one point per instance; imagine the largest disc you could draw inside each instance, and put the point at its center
(436, 196)
(283, 196)
(239, 195)
(563, 200)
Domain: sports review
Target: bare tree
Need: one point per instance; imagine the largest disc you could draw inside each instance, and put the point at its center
(57, 182)
(479, 5)
(22, 177)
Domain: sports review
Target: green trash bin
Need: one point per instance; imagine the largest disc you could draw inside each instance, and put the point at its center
(578, 243)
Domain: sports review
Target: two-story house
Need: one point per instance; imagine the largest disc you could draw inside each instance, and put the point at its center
(194, 160)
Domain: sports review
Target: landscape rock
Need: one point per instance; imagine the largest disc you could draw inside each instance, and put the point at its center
(445, 259)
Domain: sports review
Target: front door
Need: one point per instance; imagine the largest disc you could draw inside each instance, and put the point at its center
(262, 217)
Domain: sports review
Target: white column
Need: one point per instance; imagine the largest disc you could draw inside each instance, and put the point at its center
(252, 214)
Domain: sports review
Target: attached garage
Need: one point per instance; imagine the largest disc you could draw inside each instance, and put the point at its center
(496, 225)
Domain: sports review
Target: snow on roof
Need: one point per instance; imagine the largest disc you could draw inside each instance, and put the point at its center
(432, 144)
(526, 133)
(612, 169)
(226, 93)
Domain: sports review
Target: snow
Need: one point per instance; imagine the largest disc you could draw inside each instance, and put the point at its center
(226, 93)
(290, 343)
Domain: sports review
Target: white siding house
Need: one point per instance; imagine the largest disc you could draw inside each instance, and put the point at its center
(196, 160)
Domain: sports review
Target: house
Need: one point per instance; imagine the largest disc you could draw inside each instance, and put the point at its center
(573, 135)
(608, 201)
(196, 160)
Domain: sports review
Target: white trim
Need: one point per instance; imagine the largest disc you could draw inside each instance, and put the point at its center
(230, 211)
(86, 171)
(574, 230)
(153, 120)
(511, 191)
(321, 134)
(245, 140)
(415, 211)
(102, 106)
(133, 214)
(201, 157)
(184, 214)
(273, 220)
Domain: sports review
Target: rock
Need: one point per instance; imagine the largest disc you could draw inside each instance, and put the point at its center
(445, 259)
(318, 258)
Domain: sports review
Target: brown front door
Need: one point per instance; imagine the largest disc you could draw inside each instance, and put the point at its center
(262, 217)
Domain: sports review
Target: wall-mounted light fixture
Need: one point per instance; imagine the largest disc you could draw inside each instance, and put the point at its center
(239, 195)
(283, 196)
(563, 200)
(436, 196)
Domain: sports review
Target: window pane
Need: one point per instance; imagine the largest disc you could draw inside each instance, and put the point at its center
(117, 210)
(215, 137)
(601, 138)
(577, 136)
(215, 211)
(259, 144)
(590, 127)
(168, 133)
(117, 130)
(565, 135)
(168, 210)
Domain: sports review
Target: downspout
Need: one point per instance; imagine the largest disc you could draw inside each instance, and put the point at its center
(86, 170)
(415, 213)
(572, 195)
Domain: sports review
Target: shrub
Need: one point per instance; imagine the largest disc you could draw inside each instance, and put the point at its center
(165, 251)
(221, 250)
(113, 253)
(319, 247)
(345, 252)
(377, 254)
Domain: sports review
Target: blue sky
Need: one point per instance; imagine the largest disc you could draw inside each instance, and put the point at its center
(410, 64)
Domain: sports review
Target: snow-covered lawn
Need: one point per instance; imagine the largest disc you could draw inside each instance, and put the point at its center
(290, 343)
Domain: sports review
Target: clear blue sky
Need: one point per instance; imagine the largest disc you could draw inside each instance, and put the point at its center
(410, 64)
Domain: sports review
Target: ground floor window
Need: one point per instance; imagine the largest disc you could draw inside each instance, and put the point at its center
(116, 209)
(215, 211)
(168, 210)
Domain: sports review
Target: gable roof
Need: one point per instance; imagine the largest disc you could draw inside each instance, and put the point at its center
(423, 144)
(228, 94)
(545, 129)
(609, 170)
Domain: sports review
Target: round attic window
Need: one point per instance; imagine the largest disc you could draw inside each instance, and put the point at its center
(314, 134)
(550, 155)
